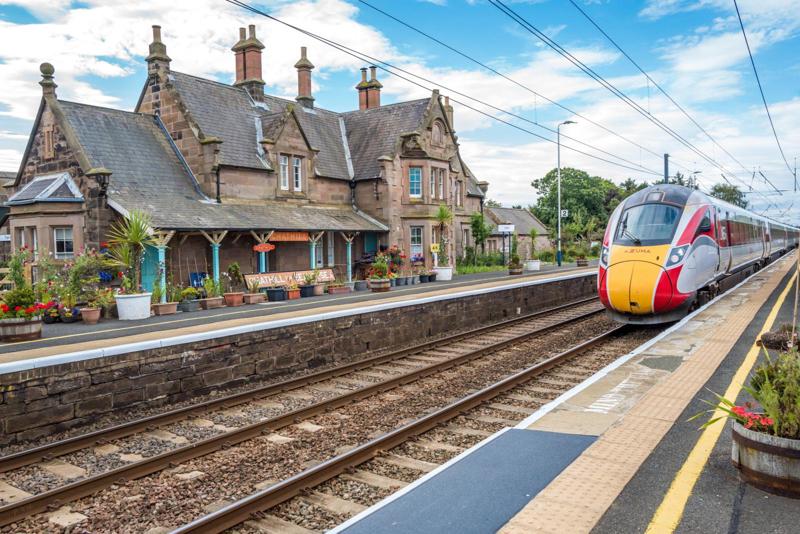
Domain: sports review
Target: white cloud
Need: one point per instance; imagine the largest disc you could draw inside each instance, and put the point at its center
(10, 159)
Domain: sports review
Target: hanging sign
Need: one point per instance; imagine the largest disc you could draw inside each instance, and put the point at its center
(289, 236)
(264, 247)
(505, 228)
(435, 248)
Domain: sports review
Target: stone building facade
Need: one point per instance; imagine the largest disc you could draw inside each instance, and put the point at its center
(221, 168)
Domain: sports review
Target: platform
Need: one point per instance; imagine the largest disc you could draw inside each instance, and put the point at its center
(60, 339)
(633, 448)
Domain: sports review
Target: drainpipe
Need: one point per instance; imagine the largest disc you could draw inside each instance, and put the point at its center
(219, 201)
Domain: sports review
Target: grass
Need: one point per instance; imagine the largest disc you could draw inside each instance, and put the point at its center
(472, 269)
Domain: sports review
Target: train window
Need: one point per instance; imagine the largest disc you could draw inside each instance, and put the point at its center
(648, 224)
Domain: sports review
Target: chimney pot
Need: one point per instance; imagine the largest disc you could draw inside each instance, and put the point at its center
(373, 73)
(304, 67)
(252, 31)
(157, 59)
(156, 33)
(242, 34)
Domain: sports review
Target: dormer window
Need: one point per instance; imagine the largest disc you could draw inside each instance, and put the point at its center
(297, 173)
(284, 160)
(437, 135)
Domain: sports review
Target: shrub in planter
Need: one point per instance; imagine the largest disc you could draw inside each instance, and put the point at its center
(379, 280)
(20, 315)
(360, 285)
(424, 278)
(306, 290)
(129, 238)
(766, 435)
(336, 288)
(432, 276)
(276, 294)
(253, 295)
(292, 292)
(213, 291)
(96, 301)
(188, 300)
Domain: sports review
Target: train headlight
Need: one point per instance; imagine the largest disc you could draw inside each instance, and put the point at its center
(604, 256)
(677, 255)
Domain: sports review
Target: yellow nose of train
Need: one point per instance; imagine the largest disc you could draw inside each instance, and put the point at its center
(633, 276)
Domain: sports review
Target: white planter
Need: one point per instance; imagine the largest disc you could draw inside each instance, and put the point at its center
(133, 307)
(533, 265)
(444, 273)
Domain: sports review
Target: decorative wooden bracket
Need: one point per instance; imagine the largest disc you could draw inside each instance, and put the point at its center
(349, 237)
(314, 238)
(161, 238)
(261, 237)
(215, 238)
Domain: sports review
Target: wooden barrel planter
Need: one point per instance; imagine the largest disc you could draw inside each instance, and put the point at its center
(770, 463)
(380, 285)
(12, 330)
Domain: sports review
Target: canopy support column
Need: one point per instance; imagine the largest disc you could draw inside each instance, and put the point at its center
(313, 239)
(215, 239)
(263, 259)
(349, 238)
(161, 239)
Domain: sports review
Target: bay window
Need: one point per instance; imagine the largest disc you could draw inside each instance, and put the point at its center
(415, 182)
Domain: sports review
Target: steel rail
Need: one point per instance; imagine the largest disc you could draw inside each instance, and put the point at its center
(18, 510)
(99, 437)
(241, 510)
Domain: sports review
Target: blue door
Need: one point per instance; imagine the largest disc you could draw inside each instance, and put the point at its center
(149, 268)
(370, 242)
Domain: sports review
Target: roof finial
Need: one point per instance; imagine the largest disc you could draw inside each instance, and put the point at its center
(47, 83)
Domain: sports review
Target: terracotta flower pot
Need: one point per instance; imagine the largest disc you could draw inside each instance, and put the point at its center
(293, 294)
(91, 315)
(234, 299)
(336, 290)
(211, 303)
(20, 329)
(319, 290)
(166, 308)
(254, 298)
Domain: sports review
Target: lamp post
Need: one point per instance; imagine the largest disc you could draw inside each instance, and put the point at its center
(558, 240)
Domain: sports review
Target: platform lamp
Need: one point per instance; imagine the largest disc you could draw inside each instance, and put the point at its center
(103, 177)
(559, 255)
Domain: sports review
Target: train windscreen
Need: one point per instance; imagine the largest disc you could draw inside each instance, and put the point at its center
(647, 224)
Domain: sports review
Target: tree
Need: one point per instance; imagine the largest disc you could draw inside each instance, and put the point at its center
(491, 203)
(480, 230)
(680, 179)
(729, 193)
(630, 186)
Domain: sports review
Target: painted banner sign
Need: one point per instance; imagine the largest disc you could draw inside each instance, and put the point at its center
(264, 247)
(289, 236)
(286, 277)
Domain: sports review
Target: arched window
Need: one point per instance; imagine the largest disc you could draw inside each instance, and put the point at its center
(438, 134)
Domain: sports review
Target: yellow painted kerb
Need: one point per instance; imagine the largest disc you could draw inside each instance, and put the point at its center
(632, 277)
(670, 511)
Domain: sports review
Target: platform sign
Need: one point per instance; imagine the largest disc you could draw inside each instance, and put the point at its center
(435, 248)
(5, 238)
(505, 228)
(263, 247)
(564, 214)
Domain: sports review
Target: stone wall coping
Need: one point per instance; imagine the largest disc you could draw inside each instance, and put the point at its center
(47, 361)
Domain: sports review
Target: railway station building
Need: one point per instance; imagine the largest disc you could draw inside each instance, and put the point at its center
(222, 168)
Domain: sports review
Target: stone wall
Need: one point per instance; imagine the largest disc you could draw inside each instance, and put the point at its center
(47, 400)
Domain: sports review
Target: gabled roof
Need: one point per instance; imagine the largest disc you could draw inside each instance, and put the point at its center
(57, 187)
(522, 219)
(375, 132)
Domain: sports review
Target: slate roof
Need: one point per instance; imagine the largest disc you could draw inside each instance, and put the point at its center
(7, 175)
(522, 219)
(57, 187)
(149, 175)
(372, 133)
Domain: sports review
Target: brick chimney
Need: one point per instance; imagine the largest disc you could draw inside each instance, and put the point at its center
(157, 60)
(304, 67)
(374, 90)
(47, 83)
(448, 109)
(248, 63)
(362, 87)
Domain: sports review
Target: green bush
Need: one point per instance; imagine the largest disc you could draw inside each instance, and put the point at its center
(20, 296)
(547, 255)
(476, 259)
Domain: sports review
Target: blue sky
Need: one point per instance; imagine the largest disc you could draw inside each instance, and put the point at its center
(693, 48)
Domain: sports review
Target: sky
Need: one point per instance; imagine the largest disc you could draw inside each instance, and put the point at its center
(693, 49)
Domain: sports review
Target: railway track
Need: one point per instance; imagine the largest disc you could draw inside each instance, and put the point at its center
(322, 496)
(269, 408)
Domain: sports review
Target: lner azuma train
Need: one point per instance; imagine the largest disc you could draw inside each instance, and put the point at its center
(668, 249)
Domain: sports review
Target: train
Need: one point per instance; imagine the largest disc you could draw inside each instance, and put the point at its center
(669, 249)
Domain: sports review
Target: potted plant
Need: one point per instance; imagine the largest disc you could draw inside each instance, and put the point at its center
(766, 434)
(309, 281)
(128, 239)
(68, 312)
(188, 299)
(233, 280)
(360, 285)
(337, 287)
(20, 314)
(213, 291)
(96, 300)
(514, 264)
(424, 277)
(276, 294)
(533, 263)
(254, 295)
(173, 296)
(51, 313)
(444, 216)
(379, 280)
(432, 276)
(292, 291)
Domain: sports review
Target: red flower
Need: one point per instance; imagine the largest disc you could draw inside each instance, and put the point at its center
(30, 309)
(766, 421)
(4, 307)
(738, 410)
(120, 274)
(17, 308)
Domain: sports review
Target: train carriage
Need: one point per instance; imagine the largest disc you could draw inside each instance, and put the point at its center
(669, 248)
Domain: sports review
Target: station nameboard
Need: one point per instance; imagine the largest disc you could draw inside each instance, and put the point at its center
(505, 228)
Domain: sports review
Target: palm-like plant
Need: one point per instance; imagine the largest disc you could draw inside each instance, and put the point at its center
(444, 216)
(129, 238)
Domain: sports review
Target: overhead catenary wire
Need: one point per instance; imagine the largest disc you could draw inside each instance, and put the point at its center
(760, 88)
(656, 84)
(512, 14)
(390, 69)
(513, 81)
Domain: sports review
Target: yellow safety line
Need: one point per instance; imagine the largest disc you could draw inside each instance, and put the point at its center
(670, 511)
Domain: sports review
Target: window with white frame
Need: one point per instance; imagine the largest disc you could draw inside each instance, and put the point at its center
(35, 243)
(416, 242)
(63, 244)
(432, 183)
(415, 182)
(458, 194)
(297, 173)
(441, 184)
(284, 161)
